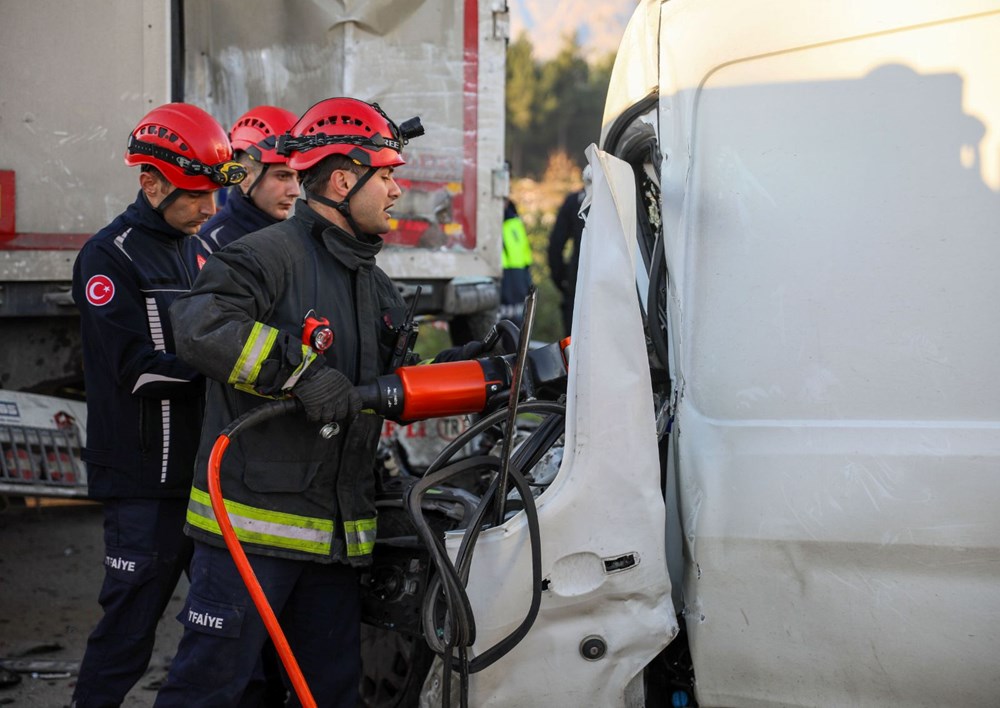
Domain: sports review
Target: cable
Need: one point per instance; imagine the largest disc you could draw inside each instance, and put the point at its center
(459, 623)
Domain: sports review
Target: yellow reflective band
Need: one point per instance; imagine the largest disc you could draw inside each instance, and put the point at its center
(255, 351)
(266, 528)
(360, 536)
(247, 388)
(308, 357)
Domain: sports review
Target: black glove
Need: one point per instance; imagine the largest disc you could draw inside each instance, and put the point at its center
(326, 395)
(469, 350)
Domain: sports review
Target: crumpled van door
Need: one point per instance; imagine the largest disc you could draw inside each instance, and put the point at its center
(602, 520)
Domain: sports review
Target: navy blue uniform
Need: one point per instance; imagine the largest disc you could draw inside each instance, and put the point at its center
(144, 411)
(238, 217)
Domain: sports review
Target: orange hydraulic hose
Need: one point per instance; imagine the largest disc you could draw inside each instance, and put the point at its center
(250, 579)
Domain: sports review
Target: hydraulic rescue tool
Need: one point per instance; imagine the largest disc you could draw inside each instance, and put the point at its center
(457, 387)
(490, 385)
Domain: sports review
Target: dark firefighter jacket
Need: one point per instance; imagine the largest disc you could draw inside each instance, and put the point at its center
(143, 403)
(238, 216)
(290, 492)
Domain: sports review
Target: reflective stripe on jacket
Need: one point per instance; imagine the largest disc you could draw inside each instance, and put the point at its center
(144, 404)
(291, 492)
(263, 526)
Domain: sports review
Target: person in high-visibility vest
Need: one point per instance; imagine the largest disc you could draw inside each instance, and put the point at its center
(516, 282)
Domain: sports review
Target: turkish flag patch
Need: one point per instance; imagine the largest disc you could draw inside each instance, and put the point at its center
(100, 290)
(201, 261)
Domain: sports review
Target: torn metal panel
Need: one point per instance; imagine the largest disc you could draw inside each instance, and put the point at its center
(607, 610)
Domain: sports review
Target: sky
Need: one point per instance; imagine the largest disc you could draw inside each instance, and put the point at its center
(599, 23)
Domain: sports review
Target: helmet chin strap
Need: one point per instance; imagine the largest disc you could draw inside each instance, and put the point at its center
(168, 200)
(344, 207)
(253, 185)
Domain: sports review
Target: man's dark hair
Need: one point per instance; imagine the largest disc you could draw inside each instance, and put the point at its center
(319, 173)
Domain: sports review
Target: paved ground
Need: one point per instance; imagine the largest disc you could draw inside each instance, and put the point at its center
(50, 573)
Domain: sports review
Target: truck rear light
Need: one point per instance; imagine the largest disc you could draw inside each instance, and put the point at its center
(18, 465)
(8, 203)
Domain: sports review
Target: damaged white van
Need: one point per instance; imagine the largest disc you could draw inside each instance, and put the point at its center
(789, 328)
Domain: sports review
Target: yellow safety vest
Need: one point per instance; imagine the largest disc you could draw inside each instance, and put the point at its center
(516, 247)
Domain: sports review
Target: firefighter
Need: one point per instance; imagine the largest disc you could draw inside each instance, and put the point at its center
(144, 404)
(302, 504)
(271, 188)
(265, 197)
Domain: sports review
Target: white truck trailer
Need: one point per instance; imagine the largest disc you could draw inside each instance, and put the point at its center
(78, 76)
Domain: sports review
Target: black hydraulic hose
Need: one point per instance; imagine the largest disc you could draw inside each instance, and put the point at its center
(541, 440)
(486, 422)
(461, 626)
(501, 648)
(459, 621)
(473, 526)
(261, 413)
(526, 457)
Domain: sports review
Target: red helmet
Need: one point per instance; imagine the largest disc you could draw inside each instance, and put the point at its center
(187, 145)
(256, 132)
(347, 126)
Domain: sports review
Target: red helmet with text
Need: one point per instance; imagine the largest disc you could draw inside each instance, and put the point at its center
(347, 126)
(187, 145)
(256, 133)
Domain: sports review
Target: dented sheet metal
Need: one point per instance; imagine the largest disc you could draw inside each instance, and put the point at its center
(830, 207)
(602, 519)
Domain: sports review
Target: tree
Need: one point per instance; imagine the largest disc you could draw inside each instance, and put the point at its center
(563, 87)
(521, 97)
(552, 106)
